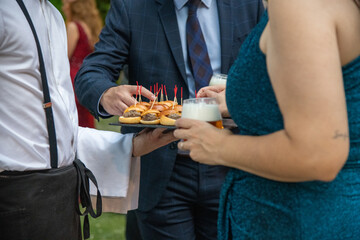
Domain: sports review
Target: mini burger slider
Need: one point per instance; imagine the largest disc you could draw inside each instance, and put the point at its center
(150, 116)
(168, 117)
(178, 108)
(132, 115)
(159, 107)
(168, 104)
(146, 104)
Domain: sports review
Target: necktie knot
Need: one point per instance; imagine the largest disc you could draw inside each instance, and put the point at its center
(193, 6)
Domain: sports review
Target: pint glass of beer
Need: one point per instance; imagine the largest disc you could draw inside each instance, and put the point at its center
(218, 79)
(204, 109)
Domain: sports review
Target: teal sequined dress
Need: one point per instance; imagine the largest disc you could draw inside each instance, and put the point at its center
(252, 207)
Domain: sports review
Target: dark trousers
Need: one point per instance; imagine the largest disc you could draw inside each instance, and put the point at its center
(188, 208)
(39, 205)
(132, 227)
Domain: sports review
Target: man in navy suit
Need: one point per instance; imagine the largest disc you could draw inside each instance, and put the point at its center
(178, 197)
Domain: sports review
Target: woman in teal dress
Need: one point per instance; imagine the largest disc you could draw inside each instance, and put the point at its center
(294, 92)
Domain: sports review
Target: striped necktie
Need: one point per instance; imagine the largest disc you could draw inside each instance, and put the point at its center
(197, 50)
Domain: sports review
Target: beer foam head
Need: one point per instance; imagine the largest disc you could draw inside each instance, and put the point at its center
(201, 111)
(218, 79)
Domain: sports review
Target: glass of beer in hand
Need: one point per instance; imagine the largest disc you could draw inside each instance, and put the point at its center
(218, 79)
(204, 109)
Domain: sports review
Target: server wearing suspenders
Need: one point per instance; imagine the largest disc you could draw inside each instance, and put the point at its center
(41, 180)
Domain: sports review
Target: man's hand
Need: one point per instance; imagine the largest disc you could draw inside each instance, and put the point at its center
(149, 139)
(217, 92)
(116, 99)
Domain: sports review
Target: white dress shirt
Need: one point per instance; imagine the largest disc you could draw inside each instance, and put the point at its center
(208, 16)
(24, 141)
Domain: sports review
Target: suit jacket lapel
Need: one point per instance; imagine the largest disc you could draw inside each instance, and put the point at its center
(169, 22)
(226, 33)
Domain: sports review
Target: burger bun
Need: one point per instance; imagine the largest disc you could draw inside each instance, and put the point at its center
(167, 121)
(135, 108)
(150, 111)
(153, 122)
(129, 120)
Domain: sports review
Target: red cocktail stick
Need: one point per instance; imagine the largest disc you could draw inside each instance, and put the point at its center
(140, 93)
(154, 101)
(181, 95)
(175, 92)
(162, 95)
(166, 96)
(137, 90)
(157, 90)
(154, 89)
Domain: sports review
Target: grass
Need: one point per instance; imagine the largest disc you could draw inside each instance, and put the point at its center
(103, 124)
(109, 226)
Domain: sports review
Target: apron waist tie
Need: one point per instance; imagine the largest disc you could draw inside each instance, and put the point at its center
(83, 191)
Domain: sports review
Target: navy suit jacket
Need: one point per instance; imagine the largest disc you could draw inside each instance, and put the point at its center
(144, 35)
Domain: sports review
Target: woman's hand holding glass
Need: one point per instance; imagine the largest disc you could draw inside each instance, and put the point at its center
(217, 92)
(201, 126)
(203, 140)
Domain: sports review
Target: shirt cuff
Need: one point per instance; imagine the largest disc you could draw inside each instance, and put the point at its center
(101, 111)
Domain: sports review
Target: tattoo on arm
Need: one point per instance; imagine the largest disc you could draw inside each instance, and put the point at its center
(341, 135)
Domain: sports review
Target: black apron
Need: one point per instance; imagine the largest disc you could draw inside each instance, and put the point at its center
(44, 204)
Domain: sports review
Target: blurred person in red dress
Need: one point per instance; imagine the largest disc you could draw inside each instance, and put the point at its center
(83, 25)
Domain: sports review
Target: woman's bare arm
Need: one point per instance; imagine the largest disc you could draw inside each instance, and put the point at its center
(72, 36)
(303, 60)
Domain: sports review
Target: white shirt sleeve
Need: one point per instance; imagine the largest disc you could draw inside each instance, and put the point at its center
(2, 30)
(108, 155)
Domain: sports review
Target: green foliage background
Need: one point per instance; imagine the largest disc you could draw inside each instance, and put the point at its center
(103, 6)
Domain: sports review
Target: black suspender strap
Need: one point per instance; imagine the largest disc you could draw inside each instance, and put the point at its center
(47, 101)
(84, 174)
